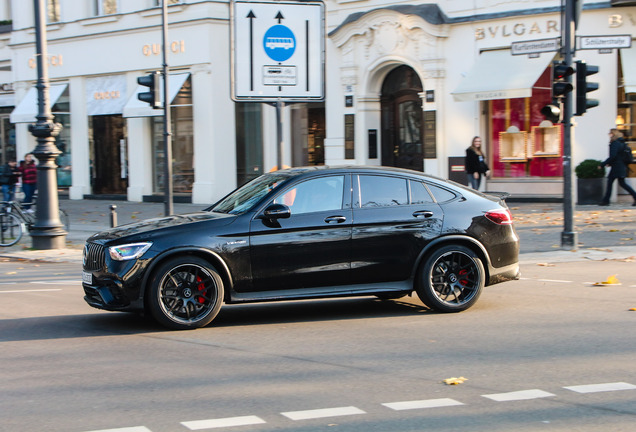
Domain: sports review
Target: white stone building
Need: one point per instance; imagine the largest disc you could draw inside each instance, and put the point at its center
(407, 84)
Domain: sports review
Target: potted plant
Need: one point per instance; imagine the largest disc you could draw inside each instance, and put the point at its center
(590, 181)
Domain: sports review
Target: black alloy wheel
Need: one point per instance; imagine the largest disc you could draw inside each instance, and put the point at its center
(451, 279)
(185, 293)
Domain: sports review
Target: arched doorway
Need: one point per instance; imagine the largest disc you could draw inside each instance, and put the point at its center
(402, 126)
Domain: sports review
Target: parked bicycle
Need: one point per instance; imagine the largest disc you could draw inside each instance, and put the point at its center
(15, 220)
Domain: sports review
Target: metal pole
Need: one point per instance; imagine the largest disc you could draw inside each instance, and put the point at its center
(279, 133)
(167, 133)
(569, 238)
(48, 231)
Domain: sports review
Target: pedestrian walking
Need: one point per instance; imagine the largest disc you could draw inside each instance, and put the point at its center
(9, 175)
(29, 173)
(475, 164)
(618, 166)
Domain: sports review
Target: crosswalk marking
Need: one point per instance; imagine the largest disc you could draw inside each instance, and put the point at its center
(518, 395)
(126, 429)
(322, 413)
(595, 388)
(421, 404)
(223, 422)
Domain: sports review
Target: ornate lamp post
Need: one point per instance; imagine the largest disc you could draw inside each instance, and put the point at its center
(48, 231)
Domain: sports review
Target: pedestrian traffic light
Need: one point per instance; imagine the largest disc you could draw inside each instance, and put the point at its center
(552, 111)
(560, 83)
(583, 103)
(153, 96)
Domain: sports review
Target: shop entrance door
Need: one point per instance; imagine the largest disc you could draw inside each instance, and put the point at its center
(109, 167)
(7, 139)
(402, 125)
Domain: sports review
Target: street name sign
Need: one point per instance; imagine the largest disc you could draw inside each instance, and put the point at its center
(535, 46)
(278, 51)
(605, 42)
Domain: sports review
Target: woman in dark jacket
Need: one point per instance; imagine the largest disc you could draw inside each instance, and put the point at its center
(618, 167)
(475, 164)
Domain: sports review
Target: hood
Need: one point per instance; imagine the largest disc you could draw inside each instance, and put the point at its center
(162, 224)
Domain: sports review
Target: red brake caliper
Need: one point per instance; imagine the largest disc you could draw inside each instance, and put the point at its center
(463, 272)
(200, 287)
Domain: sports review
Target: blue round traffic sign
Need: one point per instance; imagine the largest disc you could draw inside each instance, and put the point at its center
(279, 43)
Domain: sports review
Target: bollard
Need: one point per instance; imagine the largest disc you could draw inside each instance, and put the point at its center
(113, 215)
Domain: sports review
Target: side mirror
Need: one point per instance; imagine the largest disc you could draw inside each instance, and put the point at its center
(277, 211)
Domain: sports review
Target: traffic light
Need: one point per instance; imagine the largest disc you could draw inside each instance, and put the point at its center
(560, 84)
(552, 112)
(153, 96)
(583, 70)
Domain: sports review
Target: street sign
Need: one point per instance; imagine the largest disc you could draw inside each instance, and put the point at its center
(278, 51)
(604, 42)
(535, 46)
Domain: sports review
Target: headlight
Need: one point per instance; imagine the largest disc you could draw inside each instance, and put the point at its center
(128, 251)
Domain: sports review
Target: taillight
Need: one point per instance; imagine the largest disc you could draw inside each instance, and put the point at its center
(500, 216)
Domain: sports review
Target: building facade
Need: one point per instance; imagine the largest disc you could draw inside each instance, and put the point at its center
(406, 85)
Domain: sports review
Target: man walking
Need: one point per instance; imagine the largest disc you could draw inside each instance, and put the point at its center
(618, 166)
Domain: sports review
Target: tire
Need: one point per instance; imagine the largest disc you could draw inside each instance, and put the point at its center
(451, 279)
(185, 293)
(11, 229)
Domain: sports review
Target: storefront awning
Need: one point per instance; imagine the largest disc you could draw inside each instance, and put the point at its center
(27, 109)
(628, 62)
(105, 95)
(500, 75)
(136, 108)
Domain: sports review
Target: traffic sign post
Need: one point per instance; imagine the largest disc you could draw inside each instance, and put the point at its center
(278, 51)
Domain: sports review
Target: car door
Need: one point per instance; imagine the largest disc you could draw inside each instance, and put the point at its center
(311, 248)
(393, 219)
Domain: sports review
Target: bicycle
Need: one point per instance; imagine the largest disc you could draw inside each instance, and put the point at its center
(15, 220)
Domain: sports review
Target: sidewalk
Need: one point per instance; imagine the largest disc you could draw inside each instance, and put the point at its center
(603, 232)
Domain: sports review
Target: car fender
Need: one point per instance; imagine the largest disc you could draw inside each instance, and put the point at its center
(207, 254)
(454, 239)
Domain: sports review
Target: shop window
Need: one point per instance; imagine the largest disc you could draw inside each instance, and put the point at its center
(521, 143)
(249, 141)
(349, 136)
(182, 144)
(7, 136)
(62, 115)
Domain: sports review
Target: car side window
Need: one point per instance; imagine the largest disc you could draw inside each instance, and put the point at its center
(314, 195)
(441, 194)
(419, 193)
(382, 191)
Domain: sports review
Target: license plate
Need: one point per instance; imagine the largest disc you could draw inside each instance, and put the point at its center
(87, 277)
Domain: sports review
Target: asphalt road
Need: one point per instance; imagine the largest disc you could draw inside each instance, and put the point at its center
(353, 365)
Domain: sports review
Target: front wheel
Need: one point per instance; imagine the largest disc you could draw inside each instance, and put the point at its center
(11, 229)
(451, 279)
(185, 293)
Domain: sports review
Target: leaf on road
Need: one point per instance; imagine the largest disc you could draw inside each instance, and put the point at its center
(633, 309)
(611, 280)
(12, 273)
(455, 381)
(545, 264)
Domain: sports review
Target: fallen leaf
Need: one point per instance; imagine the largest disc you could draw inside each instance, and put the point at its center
(614, 230)
(633, 309)
(545, 264)
(455, 380)
(12, 273)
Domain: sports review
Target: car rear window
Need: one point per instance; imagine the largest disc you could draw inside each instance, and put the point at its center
(441, 194)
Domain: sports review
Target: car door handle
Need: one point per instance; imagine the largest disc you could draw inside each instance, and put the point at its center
(335, 219)
(423, 213)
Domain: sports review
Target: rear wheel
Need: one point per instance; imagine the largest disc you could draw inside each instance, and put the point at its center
(11, 229)
(451, 279)
(185, 293)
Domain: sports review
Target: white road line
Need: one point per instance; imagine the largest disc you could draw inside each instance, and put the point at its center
(127, 429)
(56, 282)
(595, 388)
(554, 280)
(420, 404)
(223, 422)
(31, 290)
(322, 413)
(518, 395)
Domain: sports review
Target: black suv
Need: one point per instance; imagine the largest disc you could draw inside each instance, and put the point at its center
(308, 233)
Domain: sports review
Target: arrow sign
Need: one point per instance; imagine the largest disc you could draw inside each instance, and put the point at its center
(279, 16)
(251, 17)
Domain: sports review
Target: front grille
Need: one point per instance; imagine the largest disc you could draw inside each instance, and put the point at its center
(94, 256)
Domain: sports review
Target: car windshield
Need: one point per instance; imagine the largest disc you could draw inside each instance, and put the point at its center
(245, 197)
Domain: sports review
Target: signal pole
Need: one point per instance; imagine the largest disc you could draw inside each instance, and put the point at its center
(569, 238)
